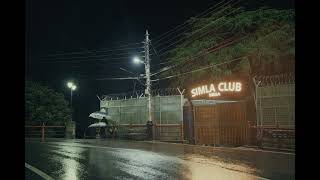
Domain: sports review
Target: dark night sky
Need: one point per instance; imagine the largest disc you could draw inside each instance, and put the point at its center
(66, 26)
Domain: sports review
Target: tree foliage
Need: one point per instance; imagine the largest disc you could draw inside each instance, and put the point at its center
(257, 37)
(43, 104)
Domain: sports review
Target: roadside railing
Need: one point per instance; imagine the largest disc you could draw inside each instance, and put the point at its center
(43, 131)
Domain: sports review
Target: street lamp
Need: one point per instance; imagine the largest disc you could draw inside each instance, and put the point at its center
(136, 60)
(70, 84)
(72, 88)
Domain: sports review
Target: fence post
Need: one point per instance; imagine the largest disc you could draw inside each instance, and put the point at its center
(181, 132)
(181, 111)
(160, 112)
(42, 132)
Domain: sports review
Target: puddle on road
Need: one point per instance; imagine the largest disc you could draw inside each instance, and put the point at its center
(197, 167)
(91, 162)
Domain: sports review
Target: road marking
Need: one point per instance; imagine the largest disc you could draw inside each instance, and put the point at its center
(37, 171)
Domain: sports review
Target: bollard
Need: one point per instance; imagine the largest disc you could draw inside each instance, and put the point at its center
(42, 132)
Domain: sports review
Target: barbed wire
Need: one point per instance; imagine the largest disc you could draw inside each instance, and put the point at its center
(272, 80)
(141, 94)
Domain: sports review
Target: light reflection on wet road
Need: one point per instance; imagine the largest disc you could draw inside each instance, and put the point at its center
(79, 160)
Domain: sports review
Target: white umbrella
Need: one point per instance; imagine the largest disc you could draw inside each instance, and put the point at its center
(99, 124)
(100, 115)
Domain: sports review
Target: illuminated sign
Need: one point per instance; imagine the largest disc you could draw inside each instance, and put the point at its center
(214, 90)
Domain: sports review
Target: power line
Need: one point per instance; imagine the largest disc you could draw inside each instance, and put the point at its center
(181, 34)
(195, 32)
(85, 60)
(217, 47)
(81, 57)
(200, 69)
(208, 50)
(219, 11)
(93, 56)
(154, 49)
(94, 51)
(157, 39)
(119, 78)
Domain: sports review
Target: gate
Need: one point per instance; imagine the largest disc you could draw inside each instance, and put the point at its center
(221, 124)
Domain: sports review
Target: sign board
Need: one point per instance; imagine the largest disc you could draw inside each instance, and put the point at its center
(213, 90)
(221, 89)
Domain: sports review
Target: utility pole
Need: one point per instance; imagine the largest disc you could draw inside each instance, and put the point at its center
(148, 82)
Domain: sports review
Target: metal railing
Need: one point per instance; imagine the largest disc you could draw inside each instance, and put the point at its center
(43, 131)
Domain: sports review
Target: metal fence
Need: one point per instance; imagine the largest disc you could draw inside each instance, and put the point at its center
(275, 105)
(44, 131)
(166, 110)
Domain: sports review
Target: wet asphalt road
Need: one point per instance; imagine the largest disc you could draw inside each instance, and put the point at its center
(105, 159)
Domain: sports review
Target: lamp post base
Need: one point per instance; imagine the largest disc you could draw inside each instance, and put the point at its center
(70, 130)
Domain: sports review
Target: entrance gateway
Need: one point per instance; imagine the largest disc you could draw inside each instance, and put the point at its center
(220, 112)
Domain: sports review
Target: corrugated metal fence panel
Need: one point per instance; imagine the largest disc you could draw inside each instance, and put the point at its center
(233, 123)
(221, 124)
(206, 125)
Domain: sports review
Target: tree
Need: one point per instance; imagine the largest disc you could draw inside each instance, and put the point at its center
(43, 104)
(260, 41)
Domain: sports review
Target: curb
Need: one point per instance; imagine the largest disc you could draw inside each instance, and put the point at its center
(241, 148)
(244, 148)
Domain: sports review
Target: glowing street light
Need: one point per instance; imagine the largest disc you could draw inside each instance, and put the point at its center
(70, 84)
(72, 88)
(136, 60)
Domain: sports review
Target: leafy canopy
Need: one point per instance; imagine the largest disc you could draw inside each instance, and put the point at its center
(43, 104)
(257, 37)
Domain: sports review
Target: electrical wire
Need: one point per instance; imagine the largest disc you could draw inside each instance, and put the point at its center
(86, 60)
(200, 69)
(222, 10)
(207, 51)
(195, 32)
(93, 51)
(160, 37)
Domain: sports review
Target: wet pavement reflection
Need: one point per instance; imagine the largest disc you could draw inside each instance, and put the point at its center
(84, 159)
